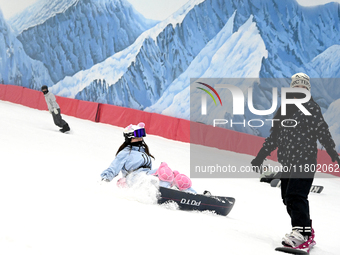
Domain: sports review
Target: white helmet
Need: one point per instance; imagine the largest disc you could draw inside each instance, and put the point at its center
(300, 79)
(134, 131)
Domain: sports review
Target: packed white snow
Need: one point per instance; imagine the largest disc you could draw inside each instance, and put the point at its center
(53, 202)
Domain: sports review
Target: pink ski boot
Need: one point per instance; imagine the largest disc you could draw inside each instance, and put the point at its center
(295, 240)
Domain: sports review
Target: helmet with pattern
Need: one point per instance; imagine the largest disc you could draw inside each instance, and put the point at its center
(134, 131)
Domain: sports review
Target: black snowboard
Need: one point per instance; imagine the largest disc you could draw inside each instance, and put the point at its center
(190, 202)
(314, 188)
(291, 250)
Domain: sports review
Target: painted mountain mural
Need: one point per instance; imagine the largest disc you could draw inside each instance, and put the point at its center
(79, 34)
(104, 51)
(16, 67)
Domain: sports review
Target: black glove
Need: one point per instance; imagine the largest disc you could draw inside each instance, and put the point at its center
(334, 155)
(257, 163)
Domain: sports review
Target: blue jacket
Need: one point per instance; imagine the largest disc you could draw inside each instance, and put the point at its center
(130, 159)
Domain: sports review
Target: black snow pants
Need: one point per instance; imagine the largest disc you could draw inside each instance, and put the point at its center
(58, 120)
(294, 192)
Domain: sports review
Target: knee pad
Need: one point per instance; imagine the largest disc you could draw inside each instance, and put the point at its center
(182, 182)
(164, 173)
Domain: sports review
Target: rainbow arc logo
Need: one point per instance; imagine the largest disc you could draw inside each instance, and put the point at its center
(208, 92)
(204, 98)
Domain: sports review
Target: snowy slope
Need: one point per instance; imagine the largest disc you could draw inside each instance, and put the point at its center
(15, 66)
(62, 208)
(83, 34)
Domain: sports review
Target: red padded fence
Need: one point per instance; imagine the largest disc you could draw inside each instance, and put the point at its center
(164, 126)
(156, 124)
(68, 106)
(14, 94)
(3, 89)
(183, 131)
(31, 98)
(42, 103)
(226, 139)
(87, 110)
(121, 116)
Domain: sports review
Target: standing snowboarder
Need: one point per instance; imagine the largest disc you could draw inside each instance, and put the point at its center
(54, 109)
(297, 152)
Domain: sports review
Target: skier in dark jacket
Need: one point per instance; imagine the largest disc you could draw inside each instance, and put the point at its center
(297, 152)
(54, 109)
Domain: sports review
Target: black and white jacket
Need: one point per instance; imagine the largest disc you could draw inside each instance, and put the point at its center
(298, 145)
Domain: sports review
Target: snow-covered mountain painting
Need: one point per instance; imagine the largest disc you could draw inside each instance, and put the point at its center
(105, 51)
(16, 67)
(80, 36)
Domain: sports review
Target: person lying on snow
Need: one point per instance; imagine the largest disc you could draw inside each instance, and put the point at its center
(133, 157)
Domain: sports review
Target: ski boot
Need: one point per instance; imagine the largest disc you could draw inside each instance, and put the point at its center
(296, 240)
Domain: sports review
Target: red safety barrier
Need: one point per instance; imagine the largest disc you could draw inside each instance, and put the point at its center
(110, 114)
(226, 139)
(164, 126)
(156, 124)
(3, 91)
(87, 110)
(13, 94)
(68, 106)
(325, 164)
(122, 117)
(42, 105)
(30, 98)
(183, 131)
